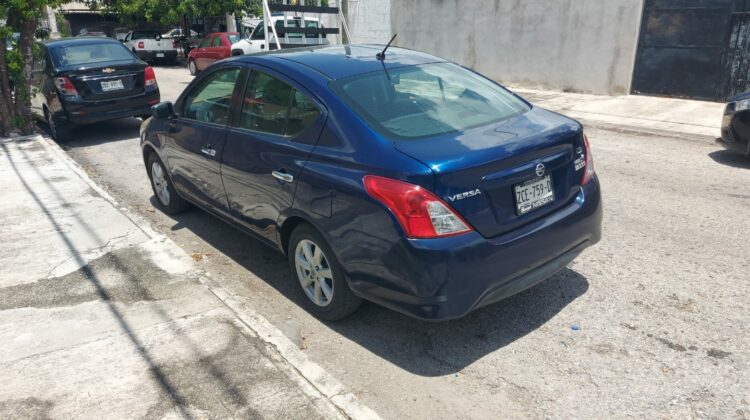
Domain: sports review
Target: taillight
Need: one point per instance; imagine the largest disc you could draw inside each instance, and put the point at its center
(588, 171)
(421, 213)
(140, 44)
(65, 86)
(149, 78)
(175, 44)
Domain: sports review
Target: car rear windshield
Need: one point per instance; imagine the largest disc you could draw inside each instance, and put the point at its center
(233, 38)
(80, 54)
(427, 100)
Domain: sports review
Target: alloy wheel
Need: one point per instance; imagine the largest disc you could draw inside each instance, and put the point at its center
(161, 186)
(314, 272)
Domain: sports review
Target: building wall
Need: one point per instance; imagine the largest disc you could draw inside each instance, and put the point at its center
(578, 45)
(369, 20)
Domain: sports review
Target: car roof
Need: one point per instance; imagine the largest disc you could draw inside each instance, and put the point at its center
(340, 61)
(222, 33)
(79, 40)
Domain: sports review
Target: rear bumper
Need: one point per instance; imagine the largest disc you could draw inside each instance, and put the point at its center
(81, 111)
(152, 55)
(448, 278)
(729, 140)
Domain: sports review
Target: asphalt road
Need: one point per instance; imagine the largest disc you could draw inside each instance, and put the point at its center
(651, 322)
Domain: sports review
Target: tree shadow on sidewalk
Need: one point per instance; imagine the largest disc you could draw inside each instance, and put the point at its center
(420, 347)
(210, 368)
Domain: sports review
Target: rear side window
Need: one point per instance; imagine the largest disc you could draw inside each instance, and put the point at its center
(80, 54)
(427, 100)
(216, 42)
(146, 35)
(302, 113)
(210, 101)
(272, 106)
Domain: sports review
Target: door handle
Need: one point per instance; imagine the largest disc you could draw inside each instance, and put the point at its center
(282, 176)
(208, 150)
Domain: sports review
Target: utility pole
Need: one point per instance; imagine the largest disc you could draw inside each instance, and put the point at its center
(52, 19)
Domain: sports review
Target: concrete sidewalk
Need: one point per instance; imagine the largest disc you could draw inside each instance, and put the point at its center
(698, 120)
(100, 317)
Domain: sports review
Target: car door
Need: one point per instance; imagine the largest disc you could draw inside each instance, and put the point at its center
(225, 48)
(214, 51)
(197, 135)
(203, 51)
(267, 147)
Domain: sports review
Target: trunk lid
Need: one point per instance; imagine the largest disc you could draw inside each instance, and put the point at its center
(494, 158)
(108, 80)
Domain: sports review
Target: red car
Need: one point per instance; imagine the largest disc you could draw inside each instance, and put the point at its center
(214, 47)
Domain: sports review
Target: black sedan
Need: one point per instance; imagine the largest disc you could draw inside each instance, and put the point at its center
(735, 127)
(87, 80)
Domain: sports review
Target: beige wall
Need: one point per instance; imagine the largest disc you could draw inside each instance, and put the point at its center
(579, 45)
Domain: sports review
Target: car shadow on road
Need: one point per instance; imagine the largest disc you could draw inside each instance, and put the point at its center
(436, 349)
(98, 133)
(730, 158)
(420, 347)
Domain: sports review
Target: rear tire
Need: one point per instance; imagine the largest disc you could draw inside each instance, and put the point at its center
(318, 276)
(59, 131)
(168, 199)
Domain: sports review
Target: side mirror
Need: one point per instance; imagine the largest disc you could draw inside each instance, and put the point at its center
(162, 111)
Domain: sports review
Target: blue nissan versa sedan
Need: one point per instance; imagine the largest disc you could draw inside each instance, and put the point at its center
(405, 180)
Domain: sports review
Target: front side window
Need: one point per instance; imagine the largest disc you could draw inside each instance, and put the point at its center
(210, 101)
(272, 106)
(427, 100)
(206, 43)
(216, 42)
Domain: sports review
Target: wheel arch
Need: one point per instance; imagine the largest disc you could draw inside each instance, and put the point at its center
(147, 150)
(287, 227)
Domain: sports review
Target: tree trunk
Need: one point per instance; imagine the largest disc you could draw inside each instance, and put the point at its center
(23, 92)
(7, 114)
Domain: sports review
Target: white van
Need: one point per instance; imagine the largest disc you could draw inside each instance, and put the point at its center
(256, 42)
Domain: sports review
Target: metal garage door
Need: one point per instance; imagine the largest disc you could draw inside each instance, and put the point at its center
(682, 48)
(736, 71)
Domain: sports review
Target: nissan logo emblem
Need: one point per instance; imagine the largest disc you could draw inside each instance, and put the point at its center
(540, 169)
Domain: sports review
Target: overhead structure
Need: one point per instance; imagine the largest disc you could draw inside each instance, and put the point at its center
(296, 23)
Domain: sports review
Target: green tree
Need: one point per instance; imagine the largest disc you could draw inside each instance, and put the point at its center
(22, 17)
(170, 12)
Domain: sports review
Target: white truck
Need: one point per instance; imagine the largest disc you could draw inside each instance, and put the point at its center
(256, 42)
(149, 46)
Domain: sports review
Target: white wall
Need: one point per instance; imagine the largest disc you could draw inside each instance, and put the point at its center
(579, 45)
(369, 21)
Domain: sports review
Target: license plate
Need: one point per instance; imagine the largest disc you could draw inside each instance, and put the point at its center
(160, 55)
(112, 85)
(534, 193)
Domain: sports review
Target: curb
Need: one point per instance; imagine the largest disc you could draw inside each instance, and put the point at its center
(323, 384)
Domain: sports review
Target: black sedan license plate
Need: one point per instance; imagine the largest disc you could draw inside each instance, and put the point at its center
(112, 85)
(534, 193)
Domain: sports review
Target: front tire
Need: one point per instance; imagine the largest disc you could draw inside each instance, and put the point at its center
(168, 199)
(319, 277)
(193, 69)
